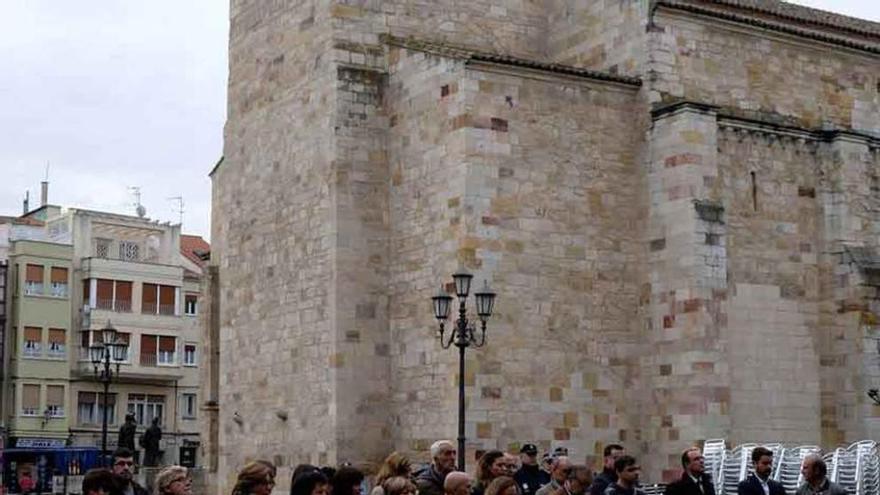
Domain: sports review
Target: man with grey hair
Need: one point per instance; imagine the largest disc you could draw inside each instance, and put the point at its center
(816, 481)
(430, 481)
(559, 470)
(457, 483)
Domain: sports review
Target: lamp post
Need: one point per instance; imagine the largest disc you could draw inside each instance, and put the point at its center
(463, 334)
(103, 354)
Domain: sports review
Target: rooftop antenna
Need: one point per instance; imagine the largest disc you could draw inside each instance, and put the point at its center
(138, 207)
(179, 210)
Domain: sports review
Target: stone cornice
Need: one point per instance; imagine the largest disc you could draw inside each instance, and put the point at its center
(787, 22)
(730, 119)
(470, 55)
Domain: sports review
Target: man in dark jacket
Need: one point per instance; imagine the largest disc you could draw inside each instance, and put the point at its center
(123, 468)
(530, 476)
(608, 474)
(150, 443)
(694, 480)
(816, 480)
(627, 477)
(759, 482)
(430, 481)
(127, 432)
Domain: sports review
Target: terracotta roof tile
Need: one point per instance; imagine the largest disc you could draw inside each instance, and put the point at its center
(192, 246)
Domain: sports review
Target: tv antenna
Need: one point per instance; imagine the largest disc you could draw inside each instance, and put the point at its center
(138, 207)
(180, 206)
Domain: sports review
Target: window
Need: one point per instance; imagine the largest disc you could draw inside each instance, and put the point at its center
(146, 407)
(55, 400)
(149, 299)
(166, 300)
(122, 300)
(57, 342)
(58, 276)
(188, 406)
(104, 299)
(33, 341)
(167, 349)
(129, 251)
(30, 400)
(190, 304)
(189, 355)
(102, 248)
(87, 337)
(33, 280)
(126, 338)
(90, 408)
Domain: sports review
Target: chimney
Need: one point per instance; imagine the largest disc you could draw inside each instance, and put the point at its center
(44, 193)
(26, 203)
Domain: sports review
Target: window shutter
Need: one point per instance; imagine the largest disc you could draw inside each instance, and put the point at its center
(105, 289)
(148, 344)
(111, 400)
(87, 397)
(123, 337)
(149, 293)
(167, 344)
(166, 295)
(34, 273)
(87, 290)
(33, 334)
(59, 275)
(123, 291)
(30, 396)
(57, 336)
(54, 395)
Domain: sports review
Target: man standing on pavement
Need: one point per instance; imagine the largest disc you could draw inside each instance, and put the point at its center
(627, 477)
(759, 482)
(608, 474)
(558, 474)
(123, 468)
(694, 480)
(530, 476)
(816, 482)
(430, 481)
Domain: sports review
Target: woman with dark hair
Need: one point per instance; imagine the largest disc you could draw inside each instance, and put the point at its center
(492, 465)
(310, 482)
(347, 481)
(396, 464)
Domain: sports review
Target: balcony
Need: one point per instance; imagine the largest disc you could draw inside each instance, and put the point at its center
(152, 308)
(137, 270)
(33, 288)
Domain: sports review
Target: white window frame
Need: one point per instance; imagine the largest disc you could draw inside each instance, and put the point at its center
(190, 406)
(30, 411)
(32, 349)
(145, 408)
(190, 309)
(194, 355)
(57, 350)
(95, 416)
(32, 288)
(59, 289)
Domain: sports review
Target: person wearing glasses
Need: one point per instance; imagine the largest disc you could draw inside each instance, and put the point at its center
(124, 468)
(559, 470)
(173, 480)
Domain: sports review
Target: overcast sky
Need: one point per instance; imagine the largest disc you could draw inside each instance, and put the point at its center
(120, 93)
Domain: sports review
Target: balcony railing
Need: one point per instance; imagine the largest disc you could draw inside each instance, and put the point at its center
(151, 308)
(150, 360)
(120, 306)
(59, 290)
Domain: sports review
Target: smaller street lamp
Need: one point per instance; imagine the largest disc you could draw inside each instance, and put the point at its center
(463, 335)
(110, 350)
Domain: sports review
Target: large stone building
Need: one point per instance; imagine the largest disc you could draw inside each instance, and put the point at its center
(676, 200)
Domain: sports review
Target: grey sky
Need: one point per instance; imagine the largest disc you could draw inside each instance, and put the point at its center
(119, 93)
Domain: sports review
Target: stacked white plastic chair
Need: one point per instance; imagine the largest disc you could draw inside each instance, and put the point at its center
(787, 466)
(714, 452)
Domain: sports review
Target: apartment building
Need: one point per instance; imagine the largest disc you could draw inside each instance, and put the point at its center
(37, 374)
(129, 272)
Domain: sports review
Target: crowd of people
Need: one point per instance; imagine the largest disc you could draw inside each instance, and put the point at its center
(497, 473)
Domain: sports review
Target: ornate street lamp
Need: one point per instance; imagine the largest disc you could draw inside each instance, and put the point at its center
(103, 354)
(463, 335)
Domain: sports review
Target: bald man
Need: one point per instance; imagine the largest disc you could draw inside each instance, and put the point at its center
(457, 483)
(558, 474)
